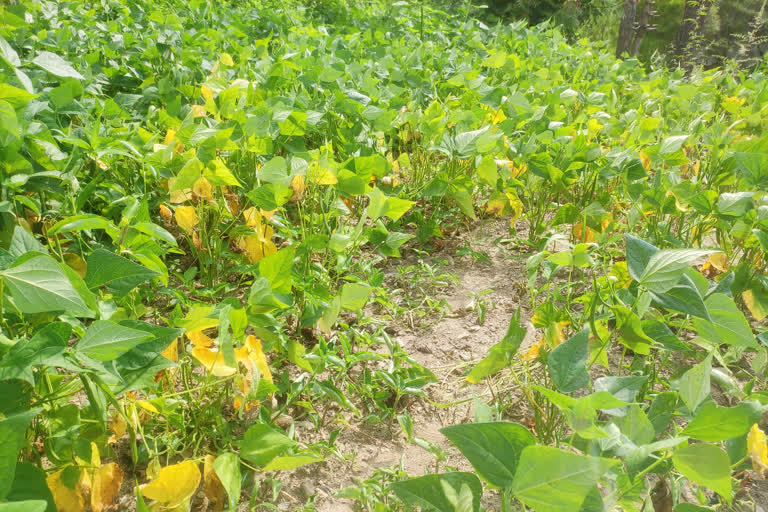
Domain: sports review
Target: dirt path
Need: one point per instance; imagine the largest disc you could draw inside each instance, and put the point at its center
(447, 348)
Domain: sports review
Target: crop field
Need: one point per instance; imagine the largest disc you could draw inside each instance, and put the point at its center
(329, 256)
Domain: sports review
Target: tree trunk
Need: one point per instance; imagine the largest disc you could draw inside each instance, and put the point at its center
(688, 39)
(625, 40)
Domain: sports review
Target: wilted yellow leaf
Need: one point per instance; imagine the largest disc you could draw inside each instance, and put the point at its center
(186, 218)
(233, 202)
(496, 207)
(252, 352)
(533, 352)
(76, 263)
(584, 235)
(66, 499)
(213, 362)
(106, 486)
(166, 214)
(212, 485)
(203, 188)
(299, 187)
(173, 484)
(199, 339)
(757, 449)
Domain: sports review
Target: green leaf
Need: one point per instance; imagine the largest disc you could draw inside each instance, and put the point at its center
(277, 268)
(501, 354)
(16, 97)
(56, 66)
(493, 449)
(694, 385)
(690, 507)
(227, 468)
(119, 275)
(447, 492)
(43, 349)
(631, 333)
(684, 298)
(83, 222)
(13, 430)
(714, 423)
(23, 242)
(29, 484)
(554, 480)
(354, 296)
(105, 341)
(39, 285)
(636, 426)
(262, 443)
(707, 465)
(639, 253)
(672, 144)
(665, 268)
(288, 462)
(487, 171)
(728, 324)
(567, 363)
(623, 388)
(8, 54)
(24, 506)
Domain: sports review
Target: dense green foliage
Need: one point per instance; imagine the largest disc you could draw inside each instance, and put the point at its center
(198, 199)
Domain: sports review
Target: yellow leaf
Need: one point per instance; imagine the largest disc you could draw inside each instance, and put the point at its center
(226, 59)
(256, 247)
(203, 188)
(118, 426)
(321, 175)
(75, 262)
(199, 339)
(252, 217)
(173, 484)
(169, 136)
(147, 406)
(755, 305)
(554, 333)
(646, 161)
(213, 362)
(66, 499)
(516, 205)
(198, 111)
(719, 261)
(212, 485)
(299, 187)
(106, 486)
(206, 92)
(757, 449)
(171, 352)
(267, 214)
(186, 218)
